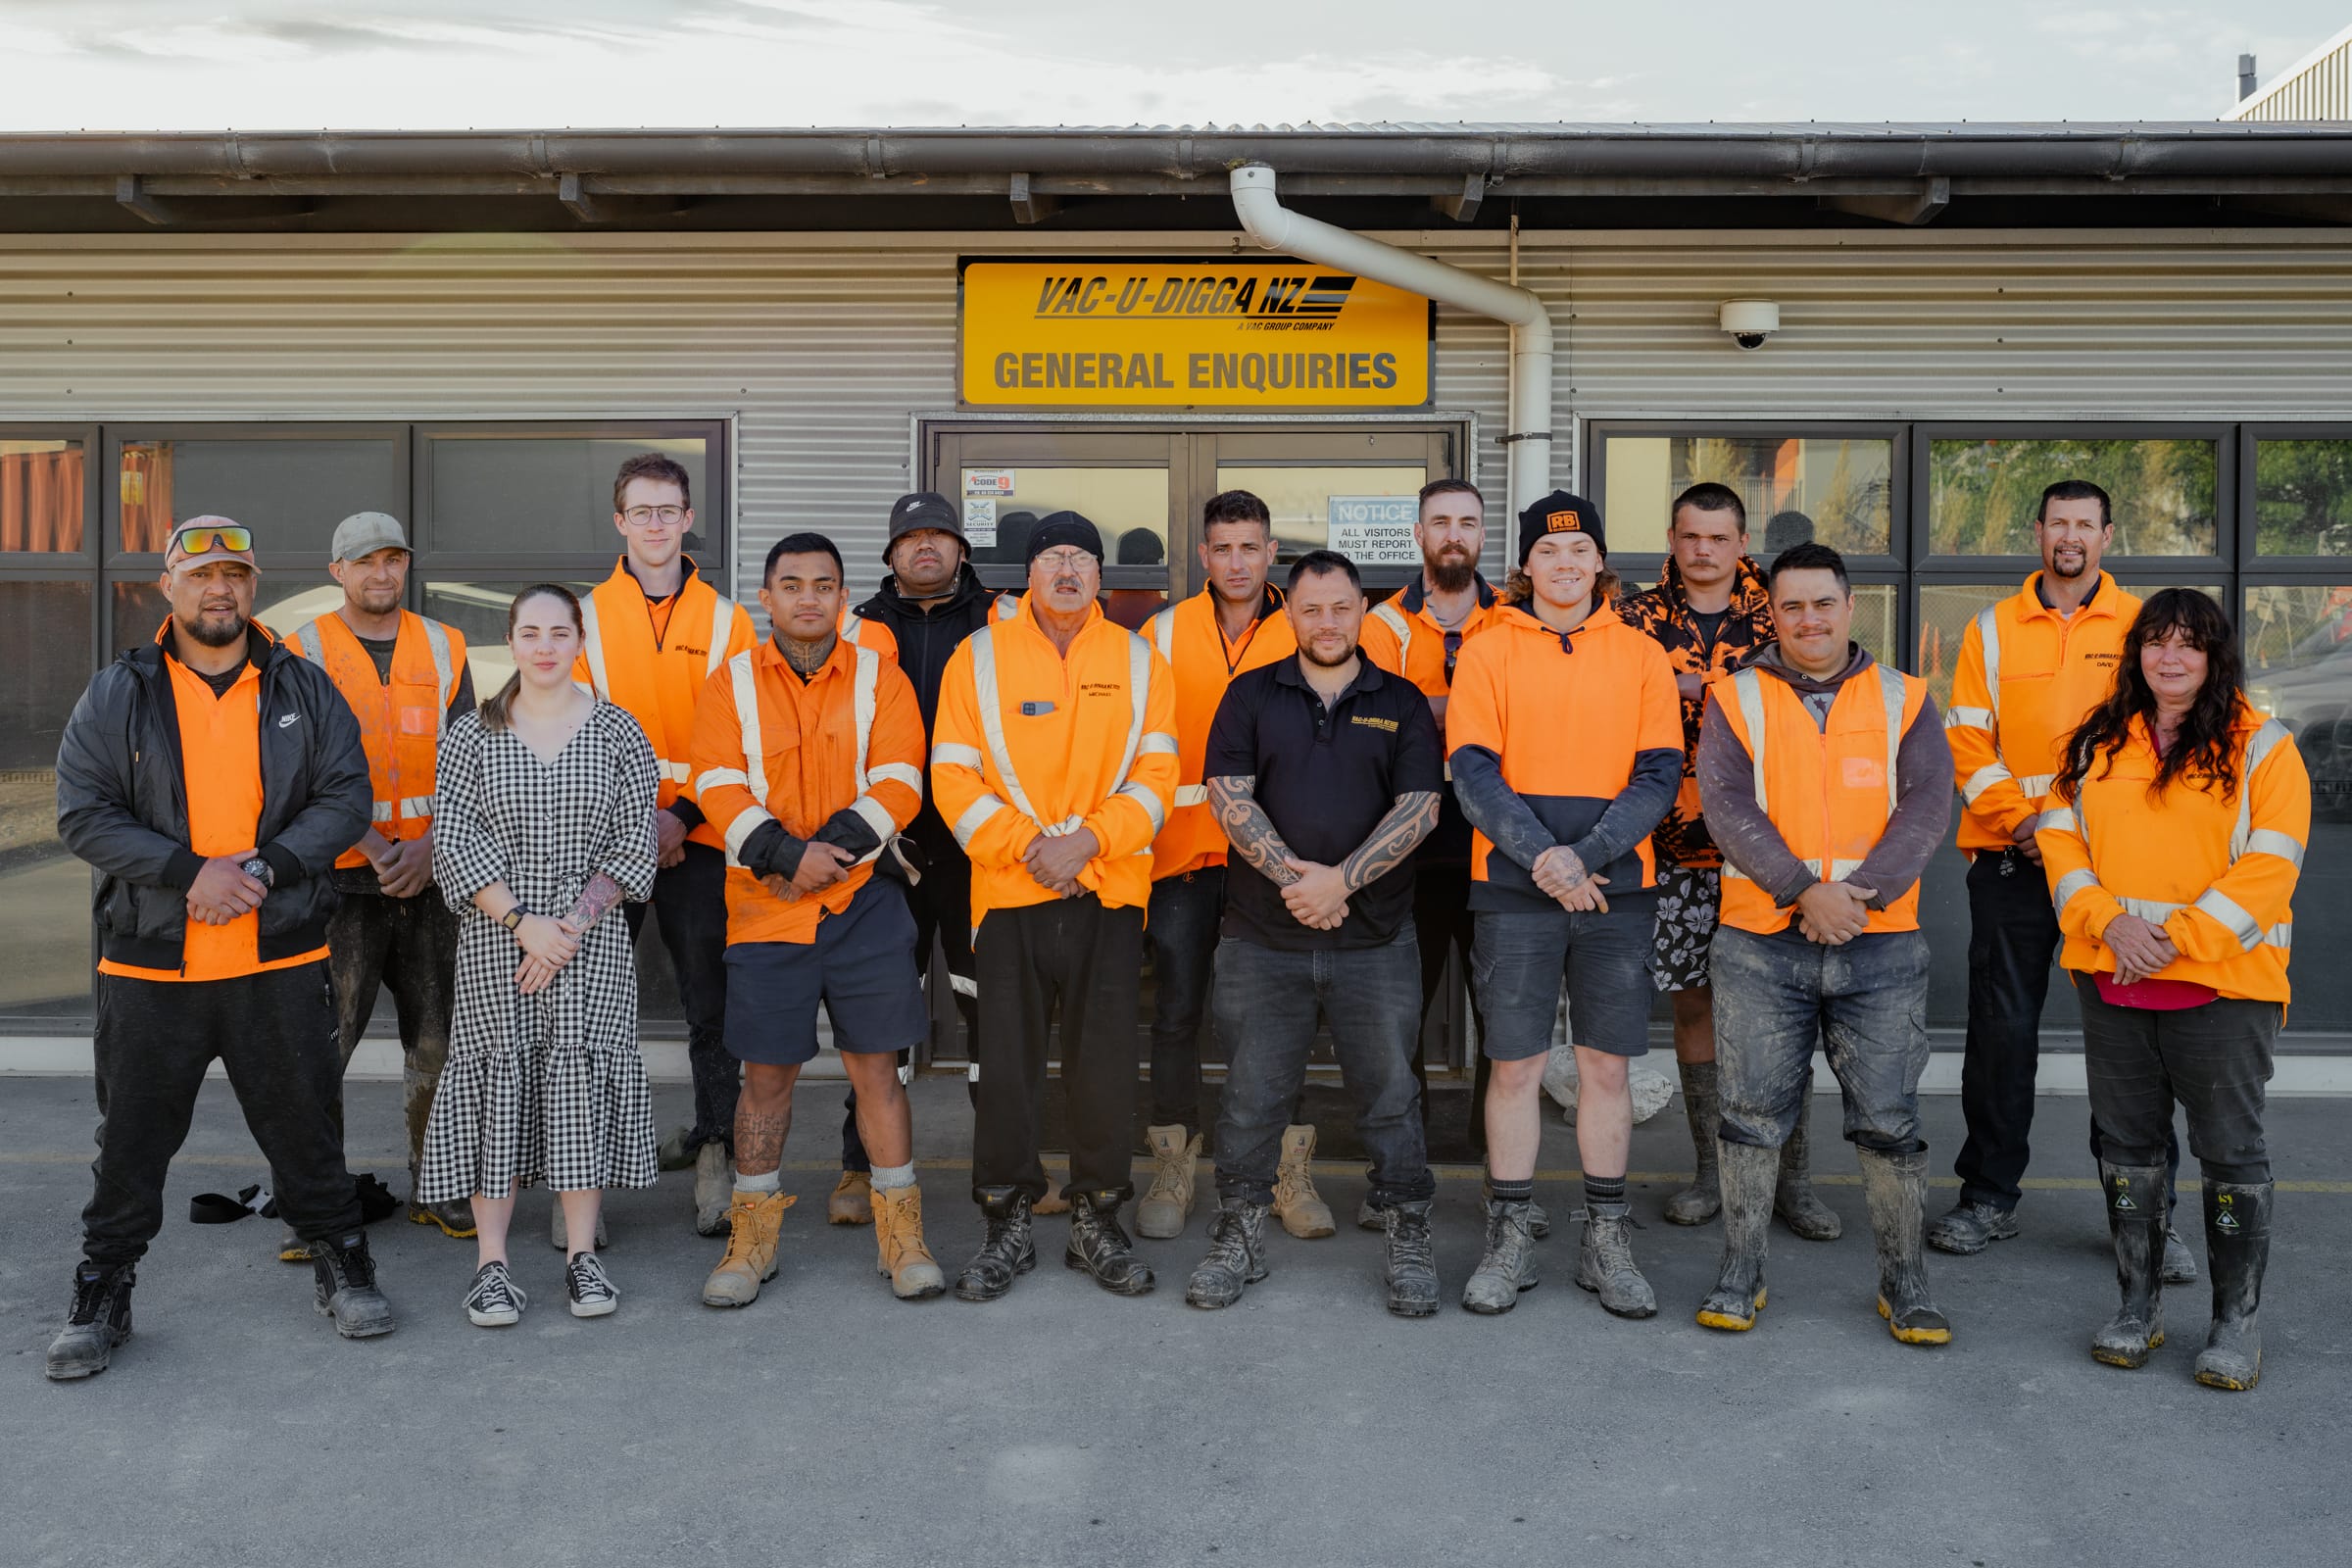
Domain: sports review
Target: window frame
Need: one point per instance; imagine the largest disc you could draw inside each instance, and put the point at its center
(2223, 435)
(2248, 556)
(93, 487)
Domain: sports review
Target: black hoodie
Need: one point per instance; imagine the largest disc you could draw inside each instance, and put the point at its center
(927, 636)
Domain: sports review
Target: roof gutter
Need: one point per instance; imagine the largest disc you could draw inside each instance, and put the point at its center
(1528, 442)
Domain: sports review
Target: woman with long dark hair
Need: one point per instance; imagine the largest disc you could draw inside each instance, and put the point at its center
(543, 824)
(2172, 846)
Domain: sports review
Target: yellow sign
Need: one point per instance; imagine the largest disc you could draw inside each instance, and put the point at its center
(1228, 335)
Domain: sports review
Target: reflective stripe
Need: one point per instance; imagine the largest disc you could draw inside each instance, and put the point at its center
(722, 629)
(2269, 841)
(870, 811)
(417, 805)
(2234, 917)
(905, 773)
(875, 814)
(2075, 882)
(1989, 628)
(2153, 910)
(2062, 818)
(718, 776)
(675, 772)
(975, 816)
(742, 828)
(1008, 606)
(1892, 691)
(1192, 795)
(964, 984)
(1163, 633)
(2281, 936)
(1748, 686)
(1143, 796)
(306, 643)
(1968, 718)
(851, 621)
(747, 717)
(593, 640)
(949, 754)
(2258, 751)
(992, 725)
(436, 639)
(383, 811)
(1982, 779)
(1389, 615)
(1158, 742)
(2036, 785)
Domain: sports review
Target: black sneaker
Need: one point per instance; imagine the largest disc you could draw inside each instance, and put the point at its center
(495, 1300)
(589, 1286)
(1967, 1229)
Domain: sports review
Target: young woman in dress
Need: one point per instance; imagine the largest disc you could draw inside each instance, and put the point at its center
(543, 825)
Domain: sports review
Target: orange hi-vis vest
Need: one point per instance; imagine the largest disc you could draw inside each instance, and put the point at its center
(657, 673)
(2218, 873)
(400, 720)
(2027, 676)
(1029, 741)
(1189, 636)
(860, 632)
(1404, 639)
(1829, 789)
(768, 746)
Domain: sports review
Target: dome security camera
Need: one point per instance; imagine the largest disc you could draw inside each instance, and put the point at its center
(1749, 321)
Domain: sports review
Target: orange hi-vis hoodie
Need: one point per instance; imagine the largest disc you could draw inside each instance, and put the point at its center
(2218, 873)
(842, 751)
(1028, 741)
(1190, 637)
(655, 661)
(2027, 676)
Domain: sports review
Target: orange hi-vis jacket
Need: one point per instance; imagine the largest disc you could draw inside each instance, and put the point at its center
(860, 632)
(1027, 742)
(769, 748)
(658, 671)
(400, 720)
(2216, 873)
(1189, 636)
(1404, 638)
(2027, 676)
(1830, 788)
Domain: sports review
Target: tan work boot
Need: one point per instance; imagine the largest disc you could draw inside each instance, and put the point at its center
(1053, 1203)
(899, 1238)
(1169, 1202)
(851, 1202)
(752, 1220)
(1297, 1204)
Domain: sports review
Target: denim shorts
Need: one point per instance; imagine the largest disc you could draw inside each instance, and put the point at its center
(860, 966)
(1520, 957)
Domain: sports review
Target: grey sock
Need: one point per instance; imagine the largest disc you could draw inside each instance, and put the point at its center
(768, 1181)
(889, 1178)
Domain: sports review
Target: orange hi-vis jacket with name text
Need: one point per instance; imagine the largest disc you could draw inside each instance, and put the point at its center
(1404, 638)
(860, 632)
(400, 720)
(1028, 741)
(769, 748)
(1190, 637)
(658, 671)
(2218, 873)
(1830, 788)
(2027, 676)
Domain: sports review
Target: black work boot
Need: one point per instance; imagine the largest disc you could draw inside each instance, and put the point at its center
(1008, 1252)
(2237, 1248)
(1507, 1266)
(1808, 1217)
(1412, 1260)
(2136, 1220)
(344, 1277)
(1237, 1253)
(100, 1320)
(1895, 1186)
(1099, 1247)
(1702, 1199)
(1748, 1175)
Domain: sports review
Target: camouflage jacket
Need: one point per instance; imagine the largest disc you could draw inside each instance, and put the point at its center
(1681, 839)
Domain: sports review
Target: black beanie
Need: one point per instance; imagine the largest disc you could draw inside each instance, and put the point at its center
(1560, 513)
(1058, 530)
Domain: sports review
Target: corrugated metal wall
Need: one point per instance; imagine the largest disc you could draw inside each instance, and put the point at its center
(2320, 88)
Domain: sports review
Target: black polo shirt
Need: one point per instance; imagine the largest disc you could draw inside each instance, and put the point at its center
(1325, 779)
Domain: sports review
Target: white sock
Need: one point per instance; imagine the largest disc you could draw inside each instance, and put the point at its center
(772, 1182)
(889, 1178)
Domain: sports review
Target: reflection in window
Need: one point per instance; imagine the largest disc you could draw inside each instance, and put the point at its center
(1946, 607)
(290, 490)
(1840, 491)
(510, 495)
(44, 892)
(1128, 506)
(1983, 495)
(1873, 620)
(1337, 509)
(2303, 498)
(40, 495)
(480, 611)
(2298, 643)
(283, 602)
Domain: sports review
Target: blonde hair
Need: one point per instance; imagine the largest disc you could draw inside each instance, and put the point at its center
(1518, 590)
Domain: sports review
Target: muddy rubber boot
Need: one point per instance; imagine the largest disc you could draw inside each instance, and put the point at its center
(2180, 1263)
(1099, 1247)
(454, 1219)
(1808, 1217)
(714, 1189)
(1236, 1254)
(97, 1322)
(1412, 1265)
(1009, 1250)
(852, 1200)
(1169, 1202)
(1297, 1204)
(1895, 1186)
(343, 1278)
(903, 1256)
(1507, 1266)
(752, 1222)
(2134, 1196)
(2237, 1248)
(1605, 1263)
(1702, 1199)
(1748, 1176)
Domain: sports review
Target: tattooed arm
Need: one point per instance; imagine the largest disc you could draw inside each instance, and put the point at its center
(1411, 820)
(1250, 830)
(596, 900)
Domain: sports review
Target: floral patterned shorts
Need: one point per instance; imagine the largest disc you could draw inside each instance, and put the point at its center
(1688, 902)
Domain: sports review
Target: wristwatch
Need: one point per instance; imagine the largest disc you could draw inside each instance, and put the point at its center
(259, 869)
(512, 919)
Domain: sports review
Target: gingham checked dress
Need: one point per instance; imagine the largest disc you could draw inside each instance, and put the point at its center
(550, 1087)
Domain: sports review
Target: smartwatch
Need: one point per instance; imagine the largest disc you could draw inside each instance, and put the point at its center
(259, 869)
(512, 919)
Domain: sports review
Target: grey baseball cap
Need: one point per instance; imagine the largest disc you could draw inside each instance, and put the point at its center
(364, 533)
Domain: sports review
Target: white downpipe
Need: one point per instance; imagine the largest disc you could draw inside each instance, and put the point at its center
(1278, 229)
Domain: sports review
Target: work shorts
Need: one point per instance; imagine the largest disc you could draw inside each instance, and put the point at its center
(860, 966)
(1519, 958)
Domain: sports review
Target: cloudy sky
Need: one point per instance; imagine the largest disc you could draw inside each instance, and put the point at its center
(421, 64)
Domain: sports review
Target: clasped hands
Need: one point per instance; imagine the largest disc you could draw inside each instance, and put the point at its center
(2141, 948)
(1833, 914)
(1054, 860)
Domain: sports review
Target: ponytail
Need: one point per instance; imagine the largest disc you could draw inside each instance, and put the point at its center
(496, 709)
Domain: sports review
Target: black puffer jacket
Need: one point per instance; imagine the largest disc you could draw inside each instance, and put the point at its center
(122, 803)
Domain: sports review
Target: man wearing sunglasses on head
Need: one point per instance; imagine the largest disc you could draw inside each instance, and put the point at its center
(213, 778)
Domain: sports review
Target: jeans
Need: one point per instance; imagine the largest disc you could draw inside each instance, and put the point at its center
(2213, 1060)
(691, 899)
(1866, 1002)
(1183, 932)
(274, 1034)
(1267, 1004)
(409, 946)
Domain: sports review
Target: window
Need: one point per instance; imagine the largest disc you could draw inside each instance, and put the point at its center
(45, 640)
(545, 495)
(289, 488)
(1982, 494)
(2303, 496)
(1837, 489)
(43, 496)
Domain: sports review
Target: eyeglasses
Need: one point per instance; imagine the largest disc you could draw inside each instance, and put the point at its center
(204, 538)
(1064, 560)
(647, 517)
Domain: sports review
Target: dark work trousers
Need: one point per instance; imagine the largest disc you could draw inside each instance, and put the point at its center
(2212, 1060)
(2012, 937)
(691, 898)
(408, 946)
(274, 1034)
(1442, 916)
(1084, 957)
(1267, 1005)
(1186, 910)
(943, 908)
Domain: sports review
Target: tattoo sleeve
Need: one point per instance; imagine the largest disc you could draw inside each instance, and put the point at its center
(597, 900)
(1249, 828)
(1410, 820)
(759, 1142)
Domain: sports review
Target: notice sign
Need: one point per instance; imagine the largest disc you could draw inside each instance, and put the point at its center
(1374, 530)
(1228, 335)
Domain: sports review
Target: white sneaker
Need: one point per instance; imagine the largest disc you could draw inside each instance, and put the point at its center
(495, 1300)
